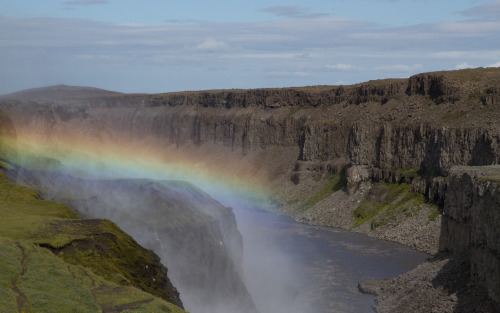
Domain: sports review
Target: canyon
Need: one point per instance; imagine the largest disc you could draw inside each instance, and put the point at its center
(378, 157)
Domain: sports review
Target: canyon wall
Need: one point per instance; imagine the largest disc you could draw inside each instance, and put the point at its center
(428, 122)
(292, 141)
(325, 145)
(470, 223)
(465, 275)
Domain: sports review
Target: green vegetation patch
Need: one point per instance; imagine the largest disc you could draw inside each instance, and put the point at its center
(492, 178)
(35, 280)
(335, 183)
(22, 213)
(434, 213)
(53, 261)
(11, 267)
(386, 203)
(103, 247)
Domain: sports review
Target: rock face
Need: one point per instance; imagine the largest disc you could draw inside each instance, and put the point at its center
(428, 122)
(464, 276)
(470, 223)
(292, 138)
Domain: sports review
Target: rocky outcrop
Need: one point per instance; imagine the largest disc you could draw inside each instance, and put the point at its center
(465, 275)
(470, 223)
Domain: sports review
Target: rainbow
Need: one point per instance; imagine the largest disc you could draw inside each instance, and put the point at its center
(84, 156)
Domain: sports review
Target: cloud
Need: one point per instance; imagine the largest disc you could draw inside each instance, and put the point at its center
(288, 11)
(487, 10)
(211, 45)
(488, 55)
(341, 67)
(177, 21)
(85, 2)
(467, 28)
(449, 54)
(463, 66)
(399, 68)
(292, 11)
(494, 64)
(280, 52)
(287, 74)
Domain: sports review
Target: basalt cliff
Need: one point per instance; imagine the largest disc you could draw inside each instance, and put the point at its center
(320, 149)
(374, 157)
(465, 275)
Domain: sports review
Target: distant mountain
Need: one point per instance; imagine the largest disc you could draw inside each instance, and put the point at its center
(59, 92)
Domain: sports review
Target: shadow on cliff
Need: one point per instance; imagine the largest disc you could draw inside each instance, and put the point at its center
(455, 279)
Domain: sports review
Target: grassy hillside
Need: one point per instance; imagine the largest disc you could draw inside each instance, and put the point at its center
(52, 261)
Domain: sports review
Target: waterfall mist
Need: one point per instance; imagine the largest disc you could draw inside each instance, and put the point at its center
(196, 237)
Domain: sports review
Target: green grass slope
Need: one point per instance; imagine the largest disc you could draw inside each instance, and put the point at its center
(52, 261)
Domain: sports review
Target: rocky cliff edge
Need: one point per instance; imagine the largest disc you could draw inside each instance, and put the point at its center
(465, 275)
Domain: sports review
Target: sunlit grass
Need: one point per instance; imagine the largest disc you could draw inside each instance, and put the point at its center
(386, 203)
(83, 278)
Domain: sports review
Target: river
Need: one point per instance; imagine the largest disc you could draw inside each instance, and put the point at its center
(294, 267)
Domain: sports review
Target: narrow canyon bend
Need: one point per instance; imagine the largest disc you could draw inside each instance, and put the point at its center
(384, 158)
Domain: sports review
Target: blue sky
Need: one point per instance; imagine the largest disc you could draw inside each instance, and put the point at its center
(159, 46)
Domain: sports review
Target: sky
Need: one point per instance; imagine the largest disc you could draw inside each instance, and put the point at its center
(152, 46)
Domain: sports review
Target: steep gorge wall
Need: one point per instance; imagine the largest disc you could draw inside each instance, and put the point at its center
(470, 224)
(411, 131)
(428, 123)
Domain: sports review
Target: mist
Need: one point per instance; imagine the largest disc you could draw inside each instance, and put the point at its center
(214, 267)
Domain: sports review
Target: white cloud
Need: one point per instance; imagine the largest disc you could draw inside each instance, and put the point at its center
(399, 68)
(301, 49)
(292, 11)
(449, 54)
(486, 55)
(288, 74)
(212, 45)
(494, 64)
(262, 56)
(341, 67)
(463, 65)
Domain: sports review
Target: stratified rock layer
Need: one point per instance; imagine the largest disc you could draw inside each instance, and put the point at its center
(428, 122)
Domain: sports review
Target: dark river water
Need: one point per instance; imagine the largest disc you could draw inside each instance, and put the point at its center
(293, 267)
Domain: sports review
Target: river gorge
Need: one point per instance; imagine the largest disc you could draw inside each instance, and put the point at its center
(195, 176)
(294, 267)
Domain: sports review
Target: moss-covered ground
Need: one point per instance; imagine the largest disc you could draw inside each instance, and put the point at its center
(53, 261)
(389, 203)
